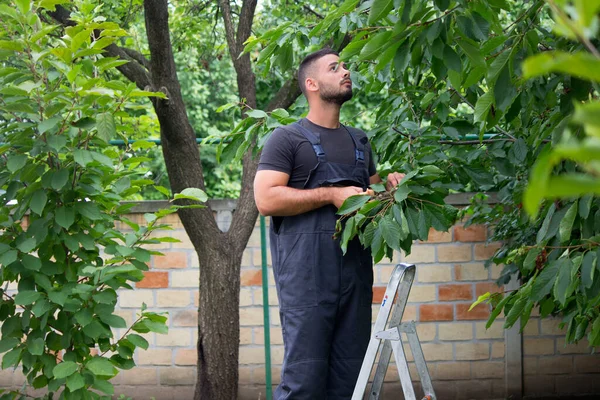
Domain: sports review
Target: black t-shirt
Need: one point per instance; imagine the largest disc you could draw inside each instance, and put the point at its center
(290, 152)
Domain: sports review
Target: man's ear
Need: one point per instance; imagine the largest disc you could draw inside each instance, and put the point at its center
(311, 84)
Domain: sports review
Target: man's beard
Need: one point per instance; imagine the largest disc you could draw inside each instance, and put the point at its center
(335, 97)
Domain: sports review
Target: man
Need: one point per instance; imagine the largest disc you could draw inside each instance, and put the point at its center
(306, 171)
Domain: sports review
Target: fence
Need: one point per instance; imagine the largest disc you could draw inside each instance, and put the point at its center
(465, 360)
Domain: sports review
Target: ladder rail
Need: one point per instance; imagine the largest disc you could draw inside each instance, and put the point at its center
(398, 289)
(384, 358)
(380, 322)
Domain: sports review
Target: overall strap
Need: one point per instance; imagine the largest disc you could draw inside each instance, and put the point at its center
(359, 147)
(313, 139)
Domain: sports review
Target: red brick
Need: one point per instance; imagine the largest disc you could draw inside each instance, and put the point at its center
(481, 311)
(484, 287)
(474, 233)
(251, 278)
(154, 280)
(378, 292)
(436, 312)
(439, 237)
(172, 259)
(485, 251)
(455, 292)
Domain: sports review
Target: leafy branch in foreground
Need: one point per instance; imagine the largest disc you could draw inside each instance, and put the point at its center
(391, 221)
(66, 244)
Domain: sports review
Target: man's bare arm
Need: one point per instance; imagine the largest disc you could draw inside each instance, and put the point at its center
(274, 198)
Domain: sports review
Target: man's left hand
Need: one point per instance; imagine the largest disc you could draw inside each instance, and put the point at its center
(393, 180)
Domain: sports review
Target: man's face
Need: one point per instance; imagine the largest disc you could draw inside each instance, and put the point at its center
(334, 81)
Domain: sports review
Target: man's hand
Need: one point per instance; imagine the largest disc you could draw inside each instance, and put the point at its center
(340, 194)
(393, 180)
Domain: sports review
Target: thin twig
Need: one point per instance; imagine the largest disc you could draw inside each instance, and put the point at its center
(310, 10)
(503, 131)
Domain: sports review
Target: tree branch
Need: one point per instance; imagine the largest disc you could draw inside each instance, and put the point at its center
(133, 70)
(229, 30)
(503, 131)
(245, 24)
(286, 96)
(180, 150)
(310, 10)
(137, 56)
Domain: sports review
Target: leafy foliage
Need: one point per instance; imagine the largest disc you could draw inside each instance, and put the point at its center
(453, 87)
(65, 240)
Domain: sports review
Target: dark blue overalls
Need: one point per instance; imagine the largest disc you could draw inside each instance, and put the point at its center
(324, 296)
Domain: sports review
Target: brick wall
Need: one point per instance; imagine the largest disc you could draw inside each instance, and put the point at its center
(465, 360)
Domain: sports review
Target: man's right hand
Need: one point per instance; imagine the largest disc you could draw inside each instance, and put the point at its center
(340, 194)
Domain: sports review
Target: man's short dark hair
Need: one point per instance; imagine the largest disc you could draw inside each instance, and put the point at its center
(308, 61)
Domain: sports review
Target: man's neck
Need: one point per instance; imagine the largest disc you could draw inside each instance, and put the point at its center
(326, 115)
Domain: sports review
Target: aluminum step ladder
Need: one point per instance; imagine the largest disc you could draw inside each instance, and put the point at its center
(400, 283)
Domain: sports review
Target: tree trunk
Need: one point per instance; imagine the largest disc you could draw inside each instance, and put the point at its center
(218, 324)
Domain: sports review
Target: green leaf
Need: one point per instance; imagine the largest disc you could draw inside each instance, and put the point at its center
(105, 125)
(353, 203)
(8, 343)
(380, 9)
(452, 59)
(401, 193)
(26, 245)
(545, 280)
(515, 312)
(192, 194)
(83, 317)
(588, 269)
(100, 366)
(58, 297)
(581, 65)
(83, 157)
(16, 162)
(483, 106)
(349, 229)
(138, 341)
(585, 205)
(480, 300)
(65, 217)
(438, 218)
(422, 226)
(566, 225)
(36, 346)
(38, 201)
(60, 179)
(391, 233)
(48, 124)
(8, 257)
(546, 224)
(496, 311)
(27, 297)
(114, 321)
(563, 281)
(530, 259)
(374, 46)
(75, 382)
(64, 369)
(258, 114)
(496, 67)
(473, 53)
(104, 386)
(11, 358)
